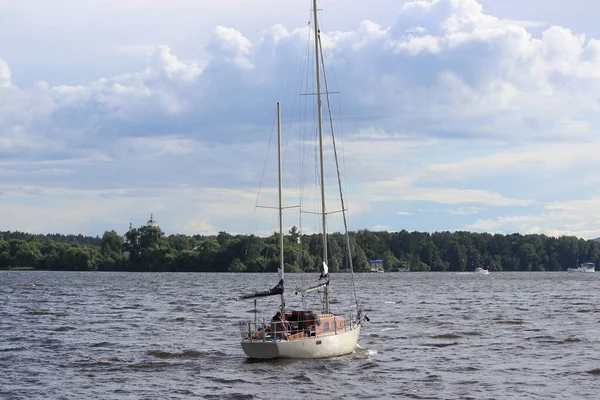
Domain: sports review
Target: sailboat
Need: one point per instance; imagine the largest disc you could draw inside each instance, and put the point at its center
(305, 333)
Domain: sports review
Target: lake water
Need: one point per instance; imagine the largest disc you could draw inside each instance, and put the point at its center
(108, 335)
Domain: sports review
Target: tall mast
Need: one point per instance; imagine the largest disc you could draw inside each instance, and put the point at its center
(280, 208)
(320, 122)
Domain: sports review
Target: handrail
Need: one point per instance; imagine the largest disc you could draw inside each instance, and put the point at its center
(261, 330)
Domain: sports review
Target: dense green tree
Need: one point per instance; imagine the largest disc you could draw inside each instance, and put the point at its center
(456, 256)
(236, 266)
(79, 259)
(5, 257)
(390, 261)
(27, 254)
(147, 249)
(209, 250)
(112, 245)
(529, 257)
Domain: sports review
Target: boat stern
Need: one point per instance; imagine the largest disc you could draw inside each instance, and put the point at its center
(260, 350)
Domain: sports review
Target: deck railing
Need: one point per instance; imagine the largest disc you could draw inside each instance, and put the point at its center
(261, 330)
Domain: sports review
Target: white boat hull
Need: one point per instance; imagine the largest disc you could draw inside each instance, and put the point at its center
(584, 271)
(325, 346)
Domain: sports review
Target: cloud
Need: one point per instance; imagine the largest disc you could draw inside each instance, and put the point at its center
(564, 218)
(446, 105)
(525, 23)
(381, 228)
(442, 56)
(232, 46)
(466, 210)
(66, 210)
(5, 74)
(396, 190)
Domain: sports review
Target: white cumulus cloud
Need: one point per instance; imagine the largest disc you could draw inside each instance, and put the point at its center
(5, 74)
(445, 105)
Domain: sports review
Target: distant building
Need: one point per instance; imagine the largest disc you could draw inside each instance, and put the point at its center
(151, 222)
(376, 265)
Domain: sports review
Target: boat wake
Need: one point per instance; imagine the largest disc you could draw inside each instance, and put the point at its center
(365, 352)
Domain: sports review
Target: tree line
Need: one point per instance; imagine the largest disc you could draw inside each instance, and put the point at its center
(147, 248)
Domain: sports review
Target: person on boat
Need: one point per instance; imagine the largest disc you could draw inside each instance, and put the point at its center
(279, 327)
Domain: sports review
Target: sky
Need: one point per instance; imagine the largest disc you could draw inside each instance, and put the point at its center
(452, 114)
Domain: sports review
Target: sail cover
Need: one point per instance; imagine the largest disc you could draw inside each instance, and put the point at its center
(318, 284)
(278, 289)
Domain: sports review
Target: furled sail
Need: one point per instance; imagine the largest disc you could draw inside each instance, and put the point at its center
(316, 285)
(278, 289)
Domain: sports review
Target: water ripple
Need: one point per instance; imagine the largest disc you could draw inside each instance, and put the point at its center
(166, 335)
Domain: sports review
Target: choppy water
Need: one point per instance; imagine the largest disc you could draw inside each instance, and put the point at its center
(174, 336)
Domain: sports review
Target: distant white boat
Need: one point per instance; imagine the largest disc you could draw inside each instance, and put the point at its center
(481, 271)
(584, 267)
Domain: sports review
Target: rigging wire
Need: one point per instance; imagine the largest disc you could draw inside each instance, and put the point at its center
(349, 255)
